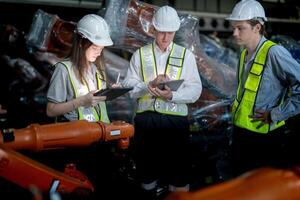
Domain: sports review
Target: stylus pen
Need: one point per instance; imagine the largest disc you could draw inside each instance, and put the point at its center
(118, 79)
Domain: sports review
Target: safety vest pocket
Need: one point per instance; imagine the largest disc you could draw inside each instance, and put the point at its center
(257, 69)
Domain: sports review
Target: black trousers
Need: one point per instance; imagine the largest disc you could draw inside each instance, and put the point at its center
(252, 150)
(162, 148)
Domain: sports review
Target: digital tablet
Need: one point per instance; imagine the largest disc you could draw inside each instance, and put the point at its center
(112, 93)
(173, 84)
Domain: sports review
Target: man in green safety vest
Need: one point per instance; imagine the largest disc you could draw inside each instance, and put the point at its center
(268, 91)
(161, 124)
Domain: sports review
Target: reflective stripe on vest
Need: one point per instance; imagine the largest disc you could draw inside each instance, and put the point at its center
(149, 72)
(88, 113)
(243, 105)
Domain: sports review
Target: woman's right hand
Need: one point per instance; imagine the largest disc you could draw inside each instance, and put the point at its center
(159, 79)
(90, 100)
(116, 85)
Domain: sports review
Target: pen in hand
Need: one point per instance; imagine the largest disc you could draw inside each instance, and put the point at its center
(118, 78)
(117, 84)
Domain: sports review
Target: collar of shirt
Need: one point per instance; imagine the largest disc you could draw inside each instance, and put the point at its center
(157, 49)
(248, 63)
(262, 40)
(161, 58)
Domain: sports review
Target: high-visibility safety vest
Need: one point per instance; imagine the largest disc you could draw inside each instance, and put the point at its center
(149, 72)
(87, 113)
(243, 105)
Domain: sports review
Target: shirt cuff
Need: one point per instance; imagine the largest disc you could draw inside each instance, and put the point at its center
(174, 97)
(275, 115)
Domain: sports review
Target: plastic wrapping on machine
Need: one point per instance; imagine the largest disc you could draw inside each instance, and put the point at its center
(124, 107)
(38, 35)
(27, 75)
(290, 44)
(50, 33)
(131, 27)
(211, 135)
(130, 23)
(212, 115)
(217, 51)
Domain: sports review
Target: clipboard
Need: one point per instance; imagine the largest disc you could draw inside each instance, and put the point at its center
(112, 93)
(173, 84)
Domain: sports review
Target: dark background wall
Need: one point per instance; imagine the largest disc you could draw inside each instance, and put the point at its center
(21, 15)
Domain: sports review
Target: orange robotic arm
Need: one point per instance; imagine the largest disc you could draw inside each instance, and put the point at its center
(68, 134)
(259, 184)
(26, 172)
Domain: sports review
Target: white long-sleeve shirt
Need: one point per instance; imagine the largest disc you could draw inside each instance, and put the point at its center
(188, 92)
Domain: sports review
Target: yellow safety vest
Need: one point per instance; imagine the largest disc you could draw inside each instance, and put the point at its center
(87, 113)
(149, 72)
(243, 105)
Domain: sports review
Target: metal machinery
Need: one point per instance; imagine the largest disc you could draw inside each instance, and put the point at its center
(26, 172)
(259, 184)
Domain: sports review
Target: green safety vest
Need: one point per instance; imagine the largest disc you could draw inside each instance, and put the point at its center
(87, 113)
(244, 102)
(149, 72)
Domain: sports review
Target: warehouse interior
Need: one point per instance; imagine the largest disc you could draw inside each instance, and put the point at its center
(30, 46)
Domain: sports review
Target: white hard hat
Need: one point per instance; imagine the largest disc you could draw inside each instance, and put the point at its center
(246, 10)
(95, 29)
(166, 19)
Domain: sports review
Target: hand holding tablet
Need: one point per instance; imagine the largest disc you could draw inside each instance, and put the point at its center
(173, 84)
(112, 93)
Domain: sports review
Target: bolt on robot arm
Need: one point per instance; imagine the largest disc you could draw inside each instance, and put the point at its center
(26, 172)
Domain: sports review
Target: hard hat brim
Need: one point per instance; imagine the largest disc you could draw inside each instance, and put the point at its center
(104, 42)
(163, 29)
(243, 19)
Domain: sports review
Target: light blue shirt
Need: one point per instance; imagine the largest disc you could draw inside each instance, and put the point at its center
(280, 83)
